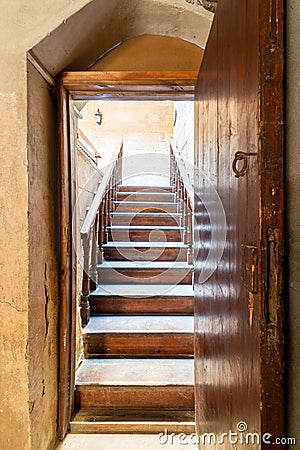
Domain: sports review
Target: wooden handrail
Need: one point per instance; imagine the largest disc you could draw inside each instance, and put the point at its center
(91, 215)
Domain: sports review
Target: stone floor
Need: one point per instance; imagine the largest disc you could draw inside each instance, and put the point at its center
(127, 442)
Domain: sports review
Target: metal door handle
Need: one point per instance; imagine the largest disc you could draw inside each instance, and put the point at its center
(241, 156)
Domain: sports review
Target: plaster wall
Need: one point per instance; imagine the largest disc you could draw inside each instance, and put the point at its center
(27, 405)
(144, 127)
(183, 139)
(102, 25)
(293, 219)
(43, 207)
(22, 25)
(153, 53)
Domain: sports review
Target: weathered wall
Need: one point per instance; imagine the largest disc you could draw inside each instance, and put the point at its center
(43, 207)
(27, 408)
(22, 24)
(111, 23)
(293, 219)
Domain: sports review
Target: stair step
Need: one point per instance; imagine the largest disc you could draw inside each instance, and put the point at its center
(142, 299)
(127, 219)
(146, 207)
(151, 189)
(137, 336)
(144, 272)
(98, 420)
(136, 384)
(145, 251)
(145, 233)
(142, 196)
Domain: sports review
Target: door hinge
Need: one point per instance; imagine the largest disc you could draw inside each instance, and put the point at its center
(250, 268)
(273, 275)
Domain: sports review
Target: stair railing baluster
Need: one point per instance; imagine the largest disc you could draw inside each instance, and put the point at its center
(94, 231)
(84, 302)
(185, 198)
(190, 235)
(185, 214)
(94, 256)
(100, 234)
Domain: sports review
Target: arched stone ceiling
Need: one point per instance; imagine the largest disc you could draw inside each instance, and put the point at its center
(101, 25)
(152, 53)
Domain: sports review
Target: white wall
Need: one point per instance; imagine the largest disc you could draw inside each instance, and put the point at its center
(183, 139)
(145, 128)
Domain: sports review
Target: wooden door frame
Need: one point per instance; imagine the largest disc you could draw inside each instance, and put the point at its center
(93, 86)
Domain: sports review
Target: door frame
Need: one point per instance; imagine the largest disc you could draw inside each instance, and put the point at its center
(93, 86)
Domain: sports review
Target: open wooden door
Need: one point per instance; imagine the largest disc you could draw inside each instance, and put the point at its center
(239, 314)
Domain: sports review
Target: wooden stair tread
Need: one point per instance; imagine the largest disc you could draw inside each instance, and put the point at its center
(129, 290)
(135, 372)
(148, 204)
(146, 227)
(140, 324)
(128, 188)
(147, 244)
(145, 214)
(129, 299)
(112, 414)
(147, 207)
(146, 196)
(145, 265)
(116, 420)
(132, 428)
(143, 192)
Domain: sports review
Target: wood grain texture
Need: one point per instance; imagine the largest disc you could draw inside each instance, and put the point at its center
(66, 327)
(103, 420)
(130, 85)
(239, 357)
(142, 234)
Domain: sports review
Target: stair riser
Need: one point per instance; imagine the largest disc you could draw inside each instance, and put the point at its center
(145, 254)
(144, 276)
(138, 344)
(150, 189)
(145, 235)
(131, 427)
(144, 208)
(140, 306)
(146, 197)
(134, 219)
(140, 397)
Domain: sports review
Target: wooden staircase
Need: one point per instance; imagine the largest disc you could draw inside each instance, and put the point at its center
(137, 375)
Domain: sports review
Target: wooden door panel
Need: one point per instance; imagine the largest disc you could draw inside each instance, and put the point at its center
(238, 345)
